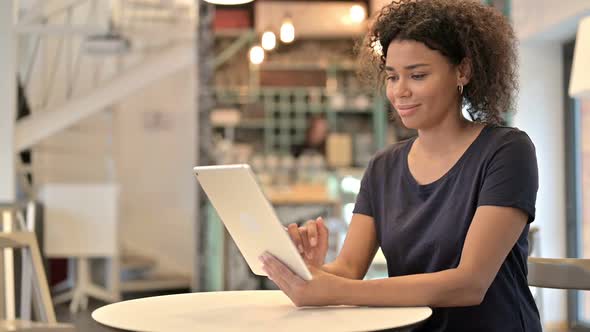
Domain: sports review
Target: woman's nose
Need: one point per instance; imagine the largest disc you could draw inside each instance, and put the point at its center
(401, 89)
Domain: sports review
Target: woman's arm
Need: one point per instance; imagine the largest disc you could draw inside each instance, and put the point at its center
(492, 234)
(358, 250)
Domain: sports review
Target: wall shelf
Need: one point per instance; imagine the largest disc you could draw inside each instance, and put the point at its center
(283, 113)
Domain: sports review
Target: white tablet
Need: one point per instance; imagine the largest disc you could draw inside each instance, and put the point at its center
(248, 216)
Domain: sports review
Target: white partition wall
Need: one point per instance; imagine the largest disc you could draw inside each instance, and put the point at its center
(80, 220)
(7, 101)
(7, 120)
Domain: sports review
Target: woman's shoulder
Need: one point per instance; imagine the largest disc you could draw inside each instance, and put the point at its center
(501, 135)
(507, 145)
(390, 155)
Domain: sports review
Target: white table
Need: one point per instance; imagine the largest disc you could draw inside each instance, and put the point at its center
(249, 311)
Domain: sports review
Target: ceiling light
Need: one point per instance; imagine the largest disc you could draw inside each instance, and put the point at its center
(287, 31)
(357, 13)
(256, 55)
(228, 2)
(269, 40)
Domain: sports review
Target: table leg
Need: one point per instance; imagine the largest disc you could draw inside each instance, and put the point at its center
(85, 288)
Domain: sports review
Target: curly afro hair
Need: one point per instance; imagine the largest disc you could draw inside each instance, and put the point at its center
(457, 29)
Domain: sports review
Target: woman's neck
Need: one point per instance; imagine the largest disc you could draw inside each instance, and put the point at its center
(447, 136)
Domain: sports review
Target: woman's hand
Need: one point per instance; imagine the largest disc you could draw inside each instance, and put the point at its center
(311, 240)
(322, 290)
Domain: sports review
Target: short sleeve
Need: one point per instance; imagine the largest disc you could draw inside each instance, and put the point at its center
(364, 204)
(511, 177)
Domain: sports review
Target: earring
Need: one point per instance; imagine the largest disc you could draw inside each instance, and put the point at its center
(460, 89)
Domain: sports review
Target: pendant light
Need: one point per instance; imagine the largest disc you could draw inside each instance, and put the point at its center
(269, 40)
(228, 2)
(287, 32)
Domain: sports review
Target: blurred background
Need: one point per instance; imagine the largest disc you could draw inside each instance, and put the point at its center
(107, 105)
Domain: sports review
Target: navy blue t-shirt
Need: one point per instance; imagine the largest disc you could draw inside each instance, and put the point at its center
(422, 228)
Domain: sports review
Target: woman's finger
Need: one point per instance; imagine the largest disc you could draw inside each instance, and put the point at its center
(312, 233)
(306, 245)
(323, 232)
(283, 271)
(274, 273)
(293, 231)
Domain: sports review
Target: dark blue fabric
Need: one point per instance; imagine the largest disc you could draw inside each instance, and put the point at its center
(422, 228)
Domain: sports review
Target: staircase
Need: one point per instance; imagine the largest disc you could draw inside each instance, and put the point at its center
(139, 274)
(72, 125)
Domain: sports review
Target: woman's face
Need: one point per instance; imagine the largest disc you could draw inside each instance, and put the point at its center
(421, 84)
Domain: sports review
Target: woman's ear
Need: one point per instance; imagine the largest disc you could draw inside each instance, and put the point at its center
(464, 71)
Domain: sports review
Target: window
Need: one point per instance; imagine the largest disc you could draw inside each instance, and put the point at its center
(577, 140)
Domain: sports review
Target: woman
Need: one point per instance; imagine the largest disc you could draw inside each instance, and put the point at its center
(450, 208)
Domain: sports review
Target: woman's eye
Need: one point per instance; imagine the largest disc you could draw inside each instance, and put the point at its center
(418, 76)
(391, 78)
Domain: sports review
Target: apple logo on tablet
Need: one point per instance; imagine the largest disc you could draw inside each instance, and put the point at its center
(249, 222)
